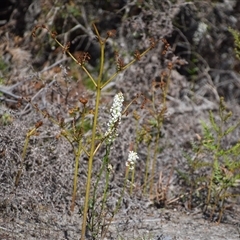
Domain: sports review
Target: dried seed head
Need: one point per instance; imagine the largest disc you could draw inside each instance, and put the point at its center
(166, 46)
(73, 111)
(45, 113)
(35, 29)
(136, 115)
(119, 61)
(83, 100)
(153, 43)
(66, 47)
(144, 102)
(44, 26)
(120, 64)
(53, 34)
(137, 55)
(83, 57)
(111, 33)
(38, 124)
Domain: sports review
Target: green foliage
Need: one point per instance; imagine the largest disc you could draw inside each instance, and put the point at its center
(73, 10)
(236, 35)
(3, 66)
(3, 70)
(5, 119)
(225, 162)
(214, 166)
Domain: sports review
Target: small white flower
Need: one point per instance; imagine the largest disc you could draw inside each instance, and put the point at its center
(132, 158)
(115, 118)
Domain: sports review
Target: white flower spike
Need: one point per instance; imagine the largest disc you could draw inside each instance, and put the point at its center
(132, 158)
(115, 118)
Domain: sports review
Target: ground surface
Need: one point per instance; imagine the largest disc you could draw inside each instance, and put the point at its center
(36, 69)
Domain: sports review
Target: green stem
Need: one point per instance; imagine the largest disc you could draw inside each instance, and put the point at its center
(19, 173)
(77, 154)
(77, 157)
(146, 170)
(155, 156)
(105, 194)
(104, 166)
(92, 150)
(133, 171)
(215, 161)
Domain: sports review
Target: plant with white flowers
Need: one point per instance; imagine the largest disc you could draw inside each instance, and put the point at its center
(115, 118)
(92, 218)
(132, 158)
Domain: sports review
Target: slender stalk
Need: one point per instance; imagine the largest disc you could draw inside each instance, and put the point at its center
(103, 167)
(132, 180)
(105, 194)
(92, 150)
(19, 173)
(146, 170)
(215, 163)
(77, 154)
(155, 156)
(215, 157)
(166, 89)
(77, 157)
(133, 171)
